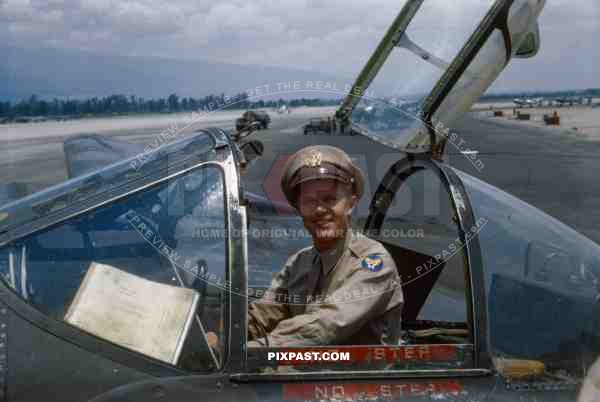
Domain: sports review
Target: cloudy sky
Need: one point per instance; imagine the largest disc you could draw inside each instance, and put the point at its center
(319, 35)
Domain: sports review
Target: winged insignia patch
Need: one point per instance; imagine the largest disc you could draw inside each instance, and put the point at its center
(372, 262)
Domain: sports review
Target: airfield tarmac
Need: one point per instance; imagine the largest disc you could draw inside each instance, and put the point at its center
(555, 170)
(583, 121)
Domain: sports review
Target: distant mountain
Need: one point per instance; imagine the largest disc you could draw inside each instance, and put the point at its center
(61, 73)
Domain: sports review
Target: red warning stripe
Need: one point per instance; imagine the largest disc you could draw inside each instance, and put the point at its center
(383, 390)
(377, 354)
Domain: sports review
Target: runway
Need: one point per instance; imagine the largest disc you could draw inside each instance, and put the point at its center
(553, 170)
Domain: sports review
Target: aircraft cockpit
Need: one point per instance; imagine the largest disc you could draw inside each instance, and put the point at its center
(485, 276)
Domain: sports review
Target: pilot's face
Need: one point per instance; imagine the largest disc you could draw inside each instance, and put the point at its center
(326, 205)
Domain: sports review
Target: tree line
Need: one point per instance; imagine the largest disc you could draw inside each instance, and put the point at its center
(123, 104)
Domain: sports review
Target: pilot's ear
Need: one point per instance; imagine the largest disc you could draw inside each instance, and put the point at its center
(354, 200)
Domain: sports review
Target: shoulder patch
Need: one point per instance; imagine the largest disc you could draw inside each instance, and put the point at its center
(372, 262)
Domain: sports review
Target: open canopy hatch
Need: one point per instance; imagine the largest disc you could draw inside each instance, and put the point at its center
(417, 82)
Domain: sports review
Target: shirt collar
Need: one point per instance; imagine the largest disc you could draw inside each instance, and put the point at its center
(331, 257)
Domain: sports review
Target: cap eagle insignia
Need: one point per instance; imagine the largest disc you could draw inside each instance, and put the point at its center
(314, 160)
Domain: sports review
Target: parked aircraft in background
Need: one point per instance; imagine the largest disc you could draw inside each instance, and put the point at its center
(569, 100)
(284, 109)
(531, 102)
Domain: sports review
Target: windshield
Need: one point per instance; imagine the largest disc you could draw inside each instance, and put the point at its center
(99, 168)
(134, 271)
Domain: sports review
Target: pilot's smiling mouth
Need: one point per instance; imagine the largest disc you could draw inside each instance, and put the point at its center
(325, 232)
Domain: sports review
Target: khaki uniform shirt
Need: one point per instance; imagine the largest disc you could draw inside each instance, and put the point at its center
(349, 295)
(590, 390)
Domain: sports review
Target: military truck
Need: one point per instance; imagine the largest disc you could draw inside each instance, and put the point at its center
(320, 125)
(252, 116)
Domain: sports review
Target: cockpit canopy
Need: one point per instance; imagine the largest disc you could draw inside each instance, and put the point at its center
(434, 63)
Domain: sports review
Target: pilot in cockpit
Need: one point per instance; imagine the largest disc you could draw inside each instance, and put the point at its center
(342, 289)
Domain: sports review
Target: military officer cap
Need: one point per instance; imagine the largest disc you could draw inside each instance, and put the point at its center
(319, 162)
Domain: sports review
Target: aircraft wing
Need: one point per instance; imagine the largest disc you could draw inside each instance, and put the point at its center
(432, 64)
(86, 153)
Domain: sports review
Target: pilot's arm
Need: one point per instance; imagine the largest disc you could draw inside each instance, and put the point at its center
(265, 314)
(366, 294)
